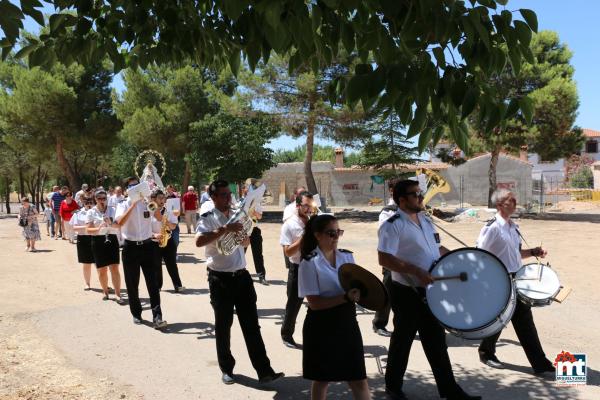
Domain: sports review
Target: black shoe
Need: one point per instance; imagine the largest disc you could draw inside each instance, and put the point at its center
(382, 332)
(461, 395)
(290, 342)
(271, 377)
(549, 367)
(263, 281)
(491, 361)
(395, 395)
(137, 320)
(227, 379)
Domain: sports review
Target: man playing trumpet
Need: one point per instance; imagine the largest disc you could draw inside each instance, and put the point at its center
(139, 252)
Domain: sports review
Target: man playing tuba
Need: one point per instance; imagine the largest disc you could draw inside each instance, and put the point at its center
(231, 287)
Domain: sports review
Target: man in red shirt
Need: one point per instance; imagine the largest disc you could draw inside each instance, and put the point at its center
(190, 207)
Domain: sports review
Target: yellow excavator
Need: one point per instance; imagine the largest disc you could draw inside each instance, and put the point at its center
(435, 184)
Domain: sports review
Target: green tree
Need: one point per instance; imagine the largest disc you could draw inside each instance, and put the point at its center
(158, 108)
(299, 101)
(414, 45)
(320, 153)
(232, 147)
(548, 83)
(387, 146)
(64, 113)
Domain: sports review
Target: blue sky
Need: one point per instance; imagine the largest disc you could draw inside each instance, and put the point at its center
(576, 22)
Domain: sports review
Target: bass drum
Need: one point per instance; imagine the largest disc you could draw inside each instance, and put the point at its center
(537, 284)
(481, 305)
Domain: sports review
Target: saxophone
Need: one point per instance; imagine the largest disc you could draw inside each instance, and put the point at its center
(165, 232)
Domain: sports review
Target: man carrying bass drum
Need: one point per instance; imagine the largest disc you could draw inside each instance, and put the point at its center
(408, 246)
(501, 237)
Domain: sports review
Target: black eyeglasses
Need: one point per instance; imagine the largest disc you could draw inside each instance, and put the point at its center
(101, 198)
(418, 194)
(333, 233)
(224, 194)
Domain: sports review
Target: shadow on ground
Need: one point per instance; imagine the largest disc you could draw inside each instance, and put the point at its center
(593, 218)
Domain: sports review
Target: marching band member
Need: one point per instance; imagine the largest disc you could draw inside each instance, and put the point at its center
(105, 245)
(332, 344)
(408, 246)
(139, 252)
(291, 235)
(256, 240)
(290, 209)
(231, 287)
(501, 237)
(382, 317)
(84, 241)
(168, 254)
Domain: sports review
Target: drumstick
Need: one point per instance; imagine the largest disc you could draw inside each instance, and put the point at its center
(462, 276)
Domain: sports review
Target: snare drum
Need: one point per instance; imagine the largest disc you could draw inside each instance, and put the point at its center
(537, 284)
(478, 307)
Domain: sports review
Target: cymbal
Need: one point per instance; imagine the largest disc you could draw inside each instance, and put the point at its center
(373, 295)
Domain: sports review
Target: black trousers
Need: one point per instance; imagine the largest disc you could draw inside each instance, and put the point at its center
(168, 254)
(412, 315)
(526, 331)
(382, 317)
(229, 290)
(136, 257)
(256, 242)
(293, 304)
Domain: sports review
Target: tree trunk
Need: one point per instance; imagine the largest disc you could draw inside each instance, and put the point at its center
(311, 185)
(21, 183)
(492, 175)
(7, 182)
(64, 164)
(186, 176)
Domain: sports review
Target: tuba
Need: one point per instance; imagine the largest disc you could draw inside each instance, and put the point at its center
(227, 243)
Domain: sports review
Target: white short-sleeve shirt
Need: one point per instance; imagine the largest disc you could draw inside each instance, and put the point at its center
(291, 231)
(316, 277)
(501, 238)
(79, 218)
(289, 210)
(157, 223)
(207, 206)
(138, 226)
(387, 212)
(407, 241)
(210, 222)
(96, 217)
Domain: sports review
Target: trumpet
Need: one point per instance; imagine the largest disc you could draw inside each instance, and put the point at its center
(152, 206)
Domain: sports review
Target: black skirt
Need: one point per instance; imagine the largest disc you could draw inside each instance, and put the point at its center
(84, 249)
(332, 345)
(105, 252)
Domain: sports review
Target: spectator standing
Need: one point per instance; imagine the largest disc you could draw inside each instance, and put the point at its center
(57, 199)
(80, 193)
(190, 208)
(67, 208)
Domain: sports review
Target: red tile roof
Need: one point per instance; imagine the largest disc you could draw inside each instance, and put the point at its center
(591, 133)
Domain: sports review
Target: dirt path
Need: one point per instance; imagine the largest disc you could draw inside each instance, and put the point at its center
(57, 341)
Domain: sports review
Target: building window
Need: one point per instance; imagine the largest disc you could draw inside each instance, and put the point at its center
(591, 146)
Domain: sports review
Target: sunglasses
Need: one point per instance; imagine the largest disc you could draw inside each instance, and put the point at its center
(418, 194)
(224, 194)
(101, 198)
(333, 233)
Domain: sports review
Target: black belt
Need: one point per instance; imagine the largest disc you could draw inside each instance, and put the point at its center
(226, 274)
(138, 242)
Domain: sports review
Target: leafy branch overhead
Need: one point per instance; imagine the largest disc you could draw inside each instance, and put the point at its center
(432, 59)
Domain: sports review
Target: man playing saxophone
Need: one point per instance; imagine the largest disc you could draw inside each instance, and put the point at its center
(167, 248)
(231, 286)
